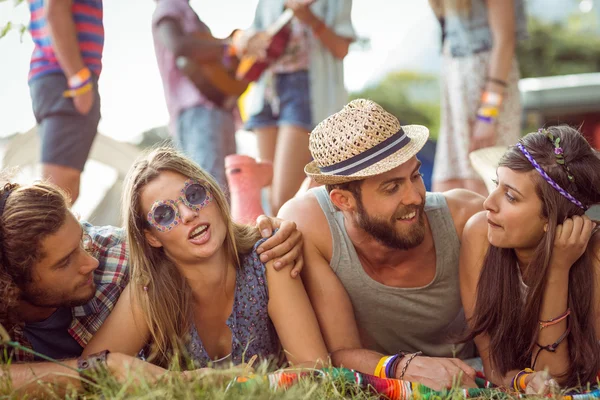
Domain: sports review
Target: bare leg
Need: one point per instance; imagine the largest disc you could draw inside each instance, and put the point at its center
(66, 178)
(291, 155)
(266, 140)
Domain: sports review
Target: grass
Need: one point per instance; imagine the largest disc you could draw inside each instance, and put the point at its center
(217, 386)
(209, 384)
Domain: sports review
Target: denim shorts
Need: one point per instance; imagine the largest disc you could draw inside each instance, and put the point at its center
(66, 135)
(293, 91)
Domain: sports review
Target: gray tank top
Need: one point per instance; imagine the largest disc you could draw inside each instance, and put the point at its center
(392, 319)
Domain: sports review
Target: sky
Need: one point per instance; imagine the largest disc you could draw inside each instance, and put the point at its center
(404, 35)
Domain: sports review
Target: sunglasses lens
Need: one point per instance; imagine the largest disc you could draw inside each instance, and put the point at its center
(164, 215)
(195, 194)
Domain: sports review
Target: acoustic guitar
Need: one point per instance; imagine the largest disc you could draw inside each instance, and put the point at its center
(251, 68)
(215, 80)
(224, 84)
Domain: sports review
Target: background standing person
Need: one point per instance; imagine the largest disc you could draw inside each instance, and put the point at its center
(63, 80)
(480, 94)
(303, 87)
(204, 131)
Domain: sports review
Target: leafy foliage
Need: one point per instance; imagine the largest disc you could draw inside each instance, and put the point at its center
(411, 96)
(558, 49)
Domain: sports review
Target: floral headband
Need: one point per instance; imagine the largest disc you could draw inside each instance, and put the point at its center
(558, 152)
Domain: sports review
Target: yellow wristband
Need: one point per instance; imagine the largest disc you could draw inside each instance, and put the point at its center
(522, 385)
(77, 92)
(488, 112)
(380, 366)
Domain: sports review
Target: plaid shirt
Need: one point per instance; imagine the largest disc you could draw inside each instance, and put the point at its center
(111, 277)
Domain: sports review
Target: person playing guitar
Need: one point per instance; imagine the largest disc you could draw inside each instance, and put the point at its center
(301, 87)
(190, 61)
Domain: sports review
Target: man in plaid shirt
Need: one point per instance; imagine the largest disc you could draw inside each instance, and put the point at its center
(60, 279)
(107, 245)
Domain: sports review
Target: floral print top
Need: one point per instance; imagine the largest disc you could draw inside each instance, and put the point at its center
(251, 328)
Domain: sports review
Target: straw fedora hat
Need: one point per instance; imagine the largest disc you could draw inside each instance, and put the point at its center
(360, 141)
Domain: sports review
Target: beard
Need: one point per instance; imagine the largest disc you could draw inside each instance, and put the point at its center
(52, 299)
(385, 232)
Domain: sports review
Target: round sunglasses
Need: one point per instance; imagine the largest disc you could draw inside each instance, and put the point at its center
(164, 214)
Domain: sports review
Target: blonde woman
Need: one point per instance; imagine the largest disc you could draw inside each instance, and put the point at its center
(198, 288)
(480, 94)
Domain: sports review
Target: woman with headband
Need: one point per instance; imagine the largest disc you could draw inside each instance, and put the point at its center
(530, 265)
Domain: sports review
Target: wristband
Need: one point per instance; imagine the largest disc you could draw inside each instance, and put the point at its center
(488, 112)
(487, 120)
(491, 98)
(379, 366)
(80, 78)
(76, 92)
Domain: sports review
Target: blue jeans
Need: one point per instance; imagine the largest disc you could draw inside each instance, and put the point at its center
(207, 136)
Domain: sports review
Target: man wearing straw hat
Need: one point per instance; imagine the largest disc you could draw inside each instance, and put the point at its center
(382, 255)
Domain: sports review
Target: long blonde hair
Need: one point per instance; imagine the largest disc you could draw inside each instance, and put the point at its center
(442, 8)
(161, 291)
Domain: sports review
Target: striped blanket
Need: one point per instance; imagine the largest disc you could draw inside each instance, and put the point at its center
(392, 389)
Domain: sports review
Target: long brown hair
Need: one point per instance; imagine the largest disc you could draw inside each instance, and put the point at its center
(159, 288)
(31, 213)
(511, 325)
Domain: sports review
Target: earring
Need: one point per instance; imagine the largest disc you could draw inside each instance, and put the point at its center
(545, 227)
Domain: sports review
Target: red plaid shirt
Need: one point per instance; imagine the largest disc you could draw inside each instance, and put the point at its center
(111, 277)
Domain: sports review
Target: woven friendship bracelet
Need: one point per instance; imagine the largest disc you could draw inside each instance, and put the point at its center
(555, 320)
(408, 361)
